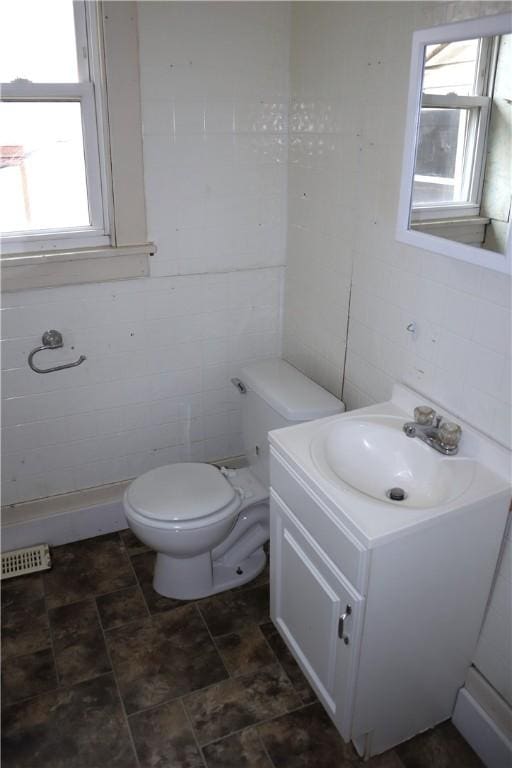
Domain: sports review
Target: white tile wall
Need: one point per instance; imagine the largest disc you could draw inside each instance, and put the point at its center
(460, 354)
(160, 351)
(322, 151)
(155, 386)
(348, 82)
(215, 102)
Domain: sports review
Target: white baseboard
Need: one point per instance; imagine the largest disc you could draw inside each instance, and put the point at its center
(481, 731)
(66, 518)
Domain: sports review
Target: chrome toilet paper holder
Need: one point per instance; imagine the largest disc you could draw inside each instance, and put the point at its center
(52, 340)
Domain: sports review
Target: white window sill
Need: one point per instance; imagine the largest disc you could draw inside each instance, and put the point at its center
(469, 229)
(86, 265)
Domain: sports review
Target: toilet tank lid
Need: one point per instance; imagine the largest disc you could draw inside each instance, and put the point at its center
(289, 392)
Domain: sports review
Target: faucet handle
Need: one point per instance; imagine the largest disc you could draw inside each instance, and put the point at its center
(449, 434)
(424, 415)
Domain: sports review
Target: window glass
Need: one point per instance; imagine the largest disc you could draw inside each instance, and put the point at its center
(42, 169)
(439, 170)
(37, 42)
(452, 68)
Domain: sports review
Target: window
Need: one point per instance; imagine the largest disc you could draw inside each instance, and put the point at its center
(70, 110)
(53, 186)
(455, 106)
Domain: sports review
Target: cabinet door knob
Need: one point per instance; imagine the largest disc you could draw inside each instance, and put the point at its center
(341, 625)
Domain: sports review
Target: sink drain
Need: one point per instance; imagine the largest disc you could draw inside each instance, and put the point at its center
(396, 494)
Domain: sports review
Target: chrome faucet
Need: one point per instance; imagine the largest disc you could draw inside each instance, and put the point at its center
(428, 426)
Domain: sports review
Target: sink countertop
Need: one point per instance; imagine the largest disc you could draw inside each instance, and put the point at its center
(373, 521)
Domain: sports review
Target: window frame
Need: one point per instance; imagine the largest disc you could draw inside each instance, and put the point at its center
(479, 106)
(405, 232)
(88, 93)
(116, 59)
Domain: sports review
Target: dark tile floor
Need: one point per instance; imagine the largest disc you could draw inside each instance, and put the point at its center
(98, 671)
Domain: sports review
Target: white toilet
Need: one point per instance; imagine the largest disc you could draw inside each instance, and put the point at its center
(207, 525)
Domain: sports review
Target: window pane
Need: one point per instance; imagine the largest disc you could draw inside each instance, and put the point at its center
(42, 169)
(452, 67)
(37, 42)
(439, 169)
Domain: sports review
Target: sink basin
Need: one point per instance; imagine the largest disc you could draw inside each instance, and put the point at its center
(372, 455)
(349, 461)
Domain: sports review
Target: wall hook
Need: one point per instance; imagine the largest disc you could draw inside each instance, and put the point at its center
(52, 340)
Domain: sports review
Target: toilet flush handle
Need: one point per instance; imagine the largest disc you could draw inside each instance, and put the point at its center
(239, 385)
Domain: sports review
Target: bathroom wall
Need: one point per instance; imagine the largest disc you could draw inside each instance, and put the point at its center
(349, 76)
(323, 176)
(348, 84)
(160, 351)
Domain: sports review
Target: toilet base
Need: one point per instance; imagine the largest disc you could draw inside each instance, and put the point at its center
(227, 577)
(196, 577)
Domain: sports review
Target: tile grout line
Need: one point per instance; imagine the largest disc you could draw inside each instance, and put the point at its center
(194, 735)
(276, 658)
(160, 613)
(50, 632)
(257, 724)
(178, 699)
(213, 640)
(237, 677)
(151, 616)
(265, 751)
(206, 688)
(304, 703)
(105, 631)
(182, 698)
(107, 649)
(60, 689)
(118, 690)
(6, 609)
(137, 582)
(121, 589)
(229, 677)
(239, 730)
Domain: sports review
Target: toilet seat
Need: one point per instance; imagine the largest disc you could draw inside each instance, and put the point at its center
(182, 496)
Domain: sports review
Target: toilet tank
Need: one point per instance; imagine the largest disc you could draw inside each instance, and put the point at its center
(278, 395)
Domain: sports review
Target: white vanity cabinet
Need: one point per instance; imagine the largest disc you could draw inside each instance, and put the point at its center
(384, 631)
(318, 612)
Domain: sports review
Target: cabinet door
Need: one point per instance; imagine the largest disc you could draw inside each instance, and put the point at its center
(317, 612)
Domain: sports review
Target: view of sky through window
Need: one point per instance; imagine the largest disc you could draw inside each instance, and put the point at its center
(37, 42)
(43, 182)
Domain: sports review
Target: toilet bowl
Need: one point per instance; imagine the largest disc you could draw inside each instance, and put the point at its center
(209, 525)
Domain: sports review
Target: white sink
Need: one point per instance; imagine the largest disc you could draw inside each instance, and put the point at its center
(351, 460)
(372, 455)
